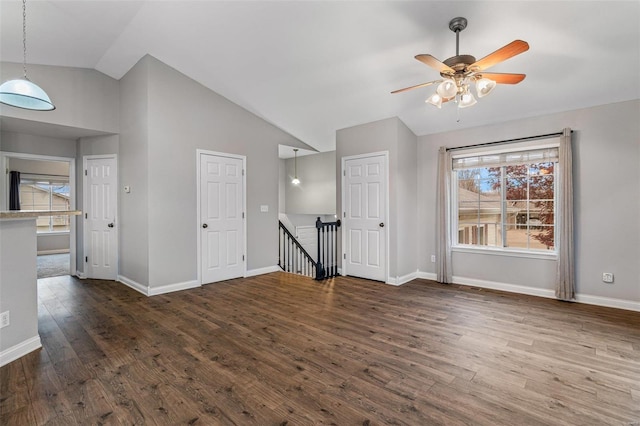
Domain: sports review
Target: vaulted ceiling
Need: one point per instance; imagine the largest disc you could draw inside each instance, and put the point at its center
(313, 67)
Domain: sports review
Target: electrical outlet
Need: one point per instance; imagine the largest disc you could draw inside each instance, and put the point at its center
(607, 277)
(5, 320)
(433, 258)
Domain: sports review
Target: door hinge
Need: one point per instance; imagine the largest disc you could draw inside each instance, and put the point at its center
(85, 172)
(242, 172)
(86, 259)
(344, 214)
(243, 215)
(243, 257)
(344, 256)
(86, 215)
(344, 173)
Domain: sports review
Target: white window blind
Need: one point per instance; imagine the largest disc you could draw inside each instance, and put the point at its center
(545, 155)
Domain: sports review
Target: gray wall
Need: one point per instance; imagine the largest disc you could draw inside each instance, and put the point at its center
(606, 155)
(316, 193)
(57, 242)
(181, 117)
(393, 136)
(133, 168)
(84, 98)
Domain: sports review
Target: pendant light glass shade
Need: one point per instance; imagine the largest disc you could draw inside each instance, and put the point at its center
(435, 100)
(447, 89)
(22, 93)
(484, 86)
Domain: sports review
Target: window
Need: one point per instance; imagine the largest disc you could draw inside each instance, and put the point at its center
(46, 194)
(506, 199)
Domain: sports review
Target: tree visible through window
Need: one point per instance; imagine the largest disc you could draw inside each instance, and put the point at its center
(509, 203)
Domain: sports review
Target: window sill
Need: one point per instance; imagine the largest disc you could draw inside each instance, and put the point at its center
(53, 233)
(552, 255)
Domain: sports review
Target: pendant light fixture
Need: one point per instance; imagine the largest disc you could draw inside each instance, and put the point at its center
(295, 180)
(22, 93)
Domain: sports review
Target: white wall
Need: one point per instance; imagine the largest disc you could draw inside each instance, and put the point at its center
(606, 155)
(316, 193)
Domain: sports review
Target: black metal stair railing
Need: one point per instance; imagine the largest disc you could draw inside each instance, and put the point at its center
(327, 260)
(292, 257)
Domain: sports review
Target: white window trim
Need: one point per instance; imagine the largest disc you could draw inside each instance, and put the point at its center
(500, 251)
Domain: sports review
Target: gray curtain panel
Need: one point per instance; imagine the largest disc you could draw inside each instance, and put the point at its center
(14, 190)
(565, 278)
(443, 218)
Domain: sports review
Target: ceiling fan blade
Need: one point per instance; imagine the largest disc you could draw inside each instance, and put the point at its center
(435, 64)
(502, 78)
(505, 52)
(417, 86)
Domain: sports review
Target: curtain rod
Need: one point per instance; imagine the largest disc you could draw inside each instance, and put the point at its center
(527, 138)
(42, 174)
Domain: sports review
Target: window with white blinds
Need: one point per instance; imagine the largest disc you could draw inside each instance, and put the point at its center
(505, 200)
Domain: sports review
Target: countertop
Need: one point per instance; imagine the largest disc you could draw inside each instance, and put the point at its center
(25, 214)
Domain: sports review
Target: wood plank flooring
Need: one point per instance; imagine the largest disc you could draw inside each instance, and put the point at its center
(281, 349)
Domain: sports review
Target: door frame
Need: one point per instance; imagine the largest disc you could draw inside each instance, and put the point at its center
(344, 230)
(199, 153)
(85, 204)
(4, 155)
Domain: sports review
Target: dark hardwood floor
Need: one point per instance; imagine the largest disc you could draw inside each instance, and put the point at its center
(282, 349)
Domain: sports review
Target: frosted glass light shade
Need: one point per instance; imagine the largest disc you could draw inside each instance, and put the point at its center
(447, 89)
(466, 100)
(435, 100)
(484, 86)
(22, 93)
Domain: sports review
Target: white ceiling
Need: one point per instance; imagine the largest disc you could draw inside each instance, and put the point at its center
(313, 67)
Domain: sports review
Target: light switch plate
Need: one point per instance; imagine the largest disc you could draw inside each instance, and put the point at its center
(264, 208)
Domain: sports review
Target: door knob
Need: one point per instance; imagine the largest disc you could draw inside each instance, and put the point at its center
(204, 225)
(381, 225)
(110, 225)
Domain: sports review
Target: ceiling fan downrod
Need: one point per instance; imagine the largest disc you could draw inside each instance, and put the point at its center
(456, 25)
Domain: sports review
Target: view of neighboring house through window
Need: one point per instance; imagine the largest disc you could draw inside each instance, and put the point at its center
(46, 194)
(506, 200)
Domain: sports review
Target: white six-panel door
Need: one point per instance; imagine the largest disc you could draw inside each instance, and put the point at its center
(365, 210)
(221, 217)
(100, 227)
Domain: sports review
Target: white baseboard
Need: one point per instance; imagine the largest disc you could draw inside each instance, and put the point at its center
(511, 288)
(260, 271)
(19, 350)
(403, 279)
(134, 285)
(81, 275)
(170, 288)
(57, 251)
(608, 302)
(540, 292)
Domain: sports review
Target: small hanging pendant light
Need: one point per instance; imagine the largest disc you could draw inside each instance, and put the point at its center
(295, 180)
(22, 93)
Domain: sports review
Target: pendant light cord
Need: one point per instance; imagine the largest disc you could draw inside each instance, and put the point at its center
(24, 38)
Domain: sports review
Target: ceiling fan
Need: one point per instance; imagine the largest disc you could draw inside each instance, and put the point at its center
(459, 71)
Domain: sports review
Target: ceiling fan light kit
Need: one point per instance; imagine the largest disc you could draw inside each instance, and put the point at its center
(460, 71)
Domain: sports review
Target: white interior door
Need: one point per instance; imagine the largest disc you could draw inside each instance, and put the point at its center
(100, 227)
(221, 217)
(365, 207)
